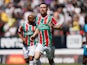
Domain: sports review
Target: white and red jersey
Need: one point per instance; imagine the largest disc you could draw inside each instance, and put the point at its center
(27, 30)
(45, 35)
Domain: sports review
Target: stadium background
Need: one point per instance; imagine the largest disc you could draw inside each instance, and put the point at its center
(68, 41)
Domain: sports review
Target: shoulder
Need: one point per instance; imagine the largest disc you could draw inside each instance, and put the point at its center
(23, 24)
(50, 17)
(37, 17)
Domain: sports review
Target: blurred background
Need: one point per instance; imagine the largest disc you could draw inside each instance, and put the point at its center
(68, 41)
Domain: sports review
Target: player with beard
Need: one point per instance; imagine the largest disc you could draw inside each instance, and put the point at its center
(44, 28)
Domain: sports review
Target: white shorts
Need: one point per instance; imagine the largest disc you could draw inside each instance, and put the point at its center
(28, 51)
(49, 50)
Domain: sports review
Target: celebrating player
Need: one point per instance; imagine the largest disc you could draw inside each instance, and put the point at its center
(45, 24)
(24, 32)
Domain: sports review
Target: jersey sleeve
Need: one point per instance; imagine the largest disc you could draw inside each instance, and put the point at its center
(53, 21)
(36, 21)
(20, 29)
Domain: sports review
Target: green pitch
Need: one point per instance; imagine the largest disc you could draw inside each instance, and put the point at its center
(42, 64)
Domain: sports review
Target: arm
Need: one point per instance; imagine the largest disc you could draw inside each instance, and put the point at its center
(20, 31)
(56, 25)
(21, 36)
(35, 34)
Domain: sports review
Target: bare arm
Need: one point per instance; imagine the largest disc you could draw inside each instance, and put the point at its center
(59, 23)
(21, 36)
(57, 26)
(35, 34)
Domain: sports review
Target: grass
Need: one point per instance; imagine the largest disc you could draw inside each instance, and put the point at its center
(42, 64)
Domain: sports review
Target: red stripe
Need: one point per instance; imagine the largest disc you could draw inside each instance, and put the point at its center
(26, 40)
(46, 37)
(40, 38)
(39, 20)
(45, 20)
(26, 36)
(54, 21)
(31, 43)
(32, 28)
(26, 27)
(20, 29)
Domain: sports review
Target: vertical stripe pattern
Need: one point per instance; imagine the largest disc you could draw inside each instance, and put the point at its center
(45, 36)
(39, 20)
(33, 28)
(40, 38)
(26, 40)
(26, 36)
(26, 27)
(54, 21)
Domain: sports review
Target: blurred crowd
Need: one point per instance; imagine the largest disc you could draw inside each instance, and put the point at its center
(71, 12)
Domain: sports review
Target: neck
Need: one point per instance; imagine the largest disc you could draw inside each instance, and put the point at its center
(43, 15)
(30, 23)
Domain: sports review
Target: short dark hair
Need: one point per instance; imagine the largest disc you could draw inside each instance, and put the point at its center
(44, 3)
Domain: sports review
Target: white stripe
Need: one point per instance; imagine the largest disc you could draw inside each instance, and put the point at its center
(5, 52)
(57, 51)
(44, 38)
(69, 51)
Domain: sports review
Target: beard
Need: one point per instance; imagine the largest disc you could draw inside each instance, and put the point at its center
(43, 14)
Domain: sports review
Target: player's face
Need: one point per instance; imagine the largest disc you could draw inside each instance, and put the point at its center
(43, 9)
(31, 18)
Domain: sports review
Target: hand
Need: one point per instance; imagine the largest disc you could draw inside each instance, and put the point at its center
(24, 39)
(32, 38)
